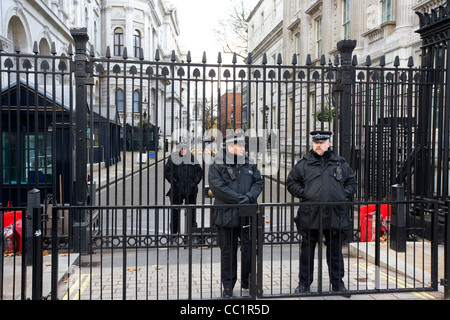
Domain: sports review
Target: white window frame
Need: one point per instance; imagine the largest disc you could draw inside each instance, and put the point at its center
(386, 11)
(119, 41)
(346, 7)
(318, 24)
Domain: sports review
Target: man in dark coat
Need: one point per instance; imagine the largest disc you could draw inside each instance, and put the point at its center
(233, 180)
(322, 176)
(183, 174)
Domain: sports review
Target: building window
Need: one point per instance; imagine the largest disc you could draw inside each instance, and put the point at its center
(318, 37)
(298, 43)
(136, 100)
(137, 43)
(346, 19)
(119, 100)
(118, 42)
(386, 10)
(37, 155)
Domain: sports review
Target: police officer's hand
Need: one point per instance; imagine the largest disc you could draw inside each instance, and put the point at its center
(348, 196)
(244, 200)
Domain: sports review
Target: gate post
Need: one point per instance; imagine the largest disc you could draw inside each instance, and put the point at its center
(446, 281)
(80, 229)
(33, 201)
(345, 79)
(398, 219)
(434, 26)
(38, 267)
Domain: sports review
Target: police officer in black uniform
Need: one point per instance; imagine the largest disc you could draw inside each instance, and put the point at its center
(233, 179)
(184, 175)
(322, 176)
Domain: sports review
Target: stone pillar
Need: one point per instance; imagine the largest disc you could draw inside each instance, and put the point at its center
(129, 30)
(404, 14)
(107, 32)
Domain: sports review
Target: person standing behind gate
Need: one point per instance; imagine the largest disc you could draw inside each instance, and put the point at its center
(322, 176)
(233, 180)
(184, 175)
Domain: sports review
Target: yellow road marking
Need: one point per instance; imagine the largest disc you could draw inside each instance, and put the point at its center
(85, 279)
(396, 281)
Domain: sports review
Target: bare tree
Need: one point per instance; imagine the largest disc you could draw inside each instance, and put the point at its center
(232, 32)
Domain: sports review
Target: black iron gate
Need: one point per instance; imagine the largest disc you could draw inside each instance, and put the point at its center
(86, 139)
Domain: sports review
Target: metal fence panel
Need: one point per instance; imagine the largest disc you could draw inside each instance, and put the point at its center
(94, 134)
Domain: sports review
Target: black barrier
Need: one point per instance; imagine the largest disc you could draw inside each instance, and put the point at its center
(379, 115)
(398, 220)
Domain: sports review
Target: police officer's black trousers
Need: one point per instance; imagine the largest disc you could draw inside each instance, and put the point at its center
(335, 260)
(229, 242)
(175, 221)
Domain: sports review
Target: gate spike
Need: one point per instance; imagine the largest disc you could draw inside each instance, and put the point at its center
(35, 48)
(264, 59)
(157, 57)
(70, 51)
(125, 53)
(92, 51)
(204, 57)
(188, 58)
(219, 58)
(382, 61)
(53, 49)
(355, 60)
(294, 59)
(279, 59)
(308, 60)
(397, 61)
(141, 54)
(17, 46)
(249, 58)
(336, 60)
(434, 15)
(410, 62)
(108, 52)
(323, 61)
(422, 20)
(234, 61)
(174, 57)
(368, 61)
(1, 45)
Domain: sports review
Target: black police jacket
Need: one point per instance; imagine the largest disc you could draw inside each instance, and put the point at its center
(232, 183)
(183, 177)
(322, 179)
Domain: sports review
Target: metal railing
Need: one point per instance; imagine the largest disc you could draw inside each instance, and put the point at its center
(132, 261)
(389, 123)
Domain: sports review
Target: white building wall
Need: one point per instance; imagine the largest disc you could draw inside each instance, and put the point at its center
(375, 37)
(46, 21)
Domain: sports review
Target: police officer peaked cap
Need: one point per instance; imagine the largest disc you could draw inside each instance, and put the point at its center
(319, 136)
(235, 138)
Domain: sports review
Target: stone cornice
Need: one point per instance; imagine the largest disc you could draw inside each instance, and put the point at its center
(315, 9)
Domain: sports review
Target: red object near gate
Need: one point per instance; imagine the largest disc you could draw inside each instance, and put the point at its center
(368, 214)
(12, 220)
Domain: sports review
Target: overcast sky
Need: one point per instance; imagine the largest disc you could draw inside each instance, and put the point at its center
(197, 19)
